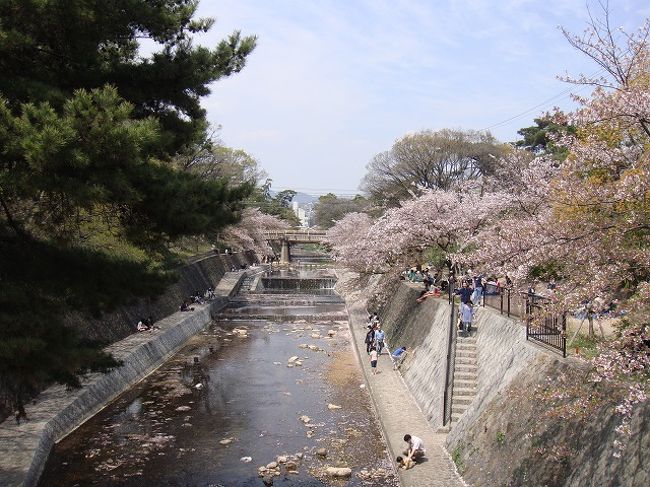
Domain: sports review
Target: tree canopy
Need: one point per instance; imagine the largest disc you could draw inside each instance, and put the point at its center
(583, 221)
(90, 199)
(429, 160)
(330, 208)
(89, 44)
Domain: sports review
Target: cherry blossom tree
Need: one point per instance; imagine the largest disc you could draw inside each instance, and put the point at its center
(250, 232)
(584, 220)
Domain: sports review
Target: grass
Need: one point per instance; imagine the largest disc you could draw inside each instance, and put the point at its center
(587, 346)
(501, 438)
(457, 457)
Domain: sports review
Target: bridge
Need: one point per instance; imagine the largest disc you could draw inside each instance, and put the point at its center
(292, 236)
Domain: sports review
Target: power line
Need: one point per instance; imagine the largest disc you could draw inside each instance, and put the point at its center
(563, 94)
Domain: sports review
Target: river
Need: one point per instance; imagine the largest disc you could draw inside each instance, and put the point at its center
(273, 376)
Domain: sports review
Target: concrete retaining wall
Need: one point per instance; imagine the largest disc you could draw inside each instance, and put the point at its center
(423, 328)
(502, 351)
(503, 437)
(198, 274)
(24, 448)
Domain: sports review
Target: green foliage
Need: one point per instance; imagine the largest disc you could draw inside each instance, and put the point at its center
(539, 138)
(438, 257)
(60, 170)
(587, 346)
(457, 457)
(330, 208)
(278, 205)
(41, 282)
(89, 201)
(88, 44)
(501, 438)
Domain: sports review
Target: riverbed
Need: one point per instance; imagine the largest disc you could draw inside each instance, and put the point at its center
(234, 399)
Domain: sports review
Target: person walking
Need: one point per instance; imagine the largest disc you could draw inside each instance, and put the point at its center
(370, 339)
(373, 360)
(380, 336)
(478, 289)
(466, 315)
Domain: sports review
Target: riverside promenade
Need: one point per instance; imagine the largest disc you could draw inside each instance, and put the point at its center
(398, 412)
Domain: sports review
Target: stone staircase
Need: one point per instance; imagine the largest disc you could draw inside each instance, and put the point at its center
(247, 283)
(465, 376)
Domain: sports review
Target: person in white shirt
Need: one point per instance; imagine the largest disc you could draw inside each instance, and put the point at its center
(373, 360)
(415, 450)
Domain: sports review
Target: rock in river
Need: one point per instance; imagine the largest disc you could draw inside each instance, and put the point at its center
(339, 472)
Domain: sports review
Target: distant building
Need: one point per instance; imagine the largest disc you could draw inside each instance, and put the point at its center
(304, 213)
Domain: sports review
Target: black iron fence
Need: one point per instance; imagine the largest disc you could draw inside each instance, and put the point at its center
(547, 329)
(541, 327)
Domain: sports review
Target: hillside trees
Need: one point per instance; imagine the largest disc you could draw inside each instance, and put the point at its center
(442, 159)
(330, 208)
(89, 200)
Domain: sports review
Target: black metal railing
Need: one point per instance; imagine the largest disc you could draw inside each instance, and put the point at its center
(451, 359)
(544, 328)
(505, 300)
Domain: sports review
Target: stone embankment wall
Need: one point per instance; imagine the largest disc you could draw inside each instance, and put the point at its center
(198, 274)
(502, 350)
(504, 437)
(24, 447)
(514, 442)
(423, 328)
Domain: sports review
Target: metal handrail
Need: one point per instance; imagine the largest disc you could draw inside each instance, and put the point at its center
(451, 359)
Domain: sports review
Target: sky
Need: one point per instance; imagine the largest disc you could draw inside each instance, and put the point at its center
(333, 83)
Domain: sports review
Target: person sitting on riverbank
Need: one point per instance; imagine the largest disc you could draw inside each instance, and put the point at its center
(398, 353)
(398, 357)
(415, 450)
(197, 298)
(209, 294)
(185, 306)
(404, 463)
(142, 325)
(425, 294)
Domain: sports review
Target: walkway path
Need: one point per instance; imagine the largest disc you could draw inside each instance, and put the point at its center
(399, 414)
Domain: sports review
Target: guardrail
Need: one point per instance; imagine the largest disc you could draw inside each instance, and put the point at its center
(451, 360)
(546, 329)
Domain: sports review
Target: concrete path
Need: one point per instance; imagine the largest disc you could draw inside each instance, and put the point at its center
(399, 414)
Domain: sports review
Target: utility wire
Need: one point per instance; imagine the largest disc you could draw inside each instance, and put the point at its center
(563, 94)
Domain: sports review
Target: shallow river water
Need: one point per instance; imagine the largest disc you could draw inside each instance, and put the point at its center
(230, 401)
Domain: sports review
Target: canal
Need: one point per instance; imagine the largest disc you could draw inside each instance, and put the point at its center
(270, 393)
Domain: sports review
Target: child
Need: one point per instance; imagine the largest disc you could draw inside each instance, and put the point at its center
(405, 463)
(373, 360)
(466, 315)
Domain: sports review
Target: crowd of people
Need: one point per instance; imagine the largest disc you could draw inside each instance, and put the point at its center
(197, 298)
(376, 342)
